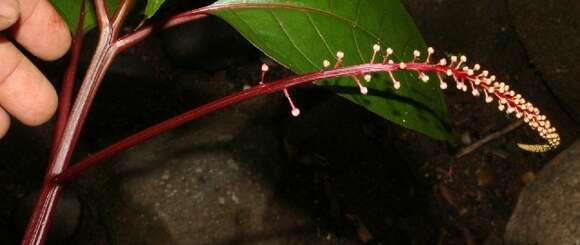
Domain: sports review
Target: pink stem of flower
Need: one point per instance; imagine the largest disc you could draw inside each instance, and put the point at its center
(261, 89)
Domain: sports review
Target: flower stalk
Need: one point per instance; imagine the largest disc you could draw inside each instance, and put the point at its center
(480, 81)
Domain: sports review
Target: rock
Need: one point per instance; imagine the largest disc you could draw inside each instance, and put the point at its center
(528, 177)
(205, 183)
(549, 31)
(548, 210)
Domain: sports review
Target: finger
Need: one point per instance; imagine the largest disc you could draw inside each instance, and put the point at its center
(9, 13)
(4, 122)
(24, 92)
(41, 30)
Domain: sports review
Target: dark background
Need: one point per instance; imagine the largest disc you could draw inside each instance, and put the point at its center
(336, 175)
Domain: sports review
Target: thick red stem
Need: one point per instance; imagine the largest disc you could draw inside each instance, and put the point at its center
(65, 97)
(47, 200)
(232, 99)
(48, 197)
(272, 87)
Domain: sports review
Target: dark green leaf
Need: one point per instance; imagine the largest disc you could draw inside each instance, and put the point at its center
(70, 11)
(152, 7)
(300, 34)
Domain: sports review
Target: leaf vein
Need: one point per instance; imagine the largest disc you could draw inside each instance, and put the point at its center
(320, 35)
(292, 40)
(355, 39)
(357, 11)
(382, 25)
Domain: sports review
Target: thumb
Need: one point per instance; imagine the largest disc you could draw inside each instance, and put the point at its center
(9, 13)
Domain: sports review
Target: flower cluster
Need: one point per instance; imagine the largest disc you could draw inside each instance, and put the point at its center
(474, 79)
(508, 101)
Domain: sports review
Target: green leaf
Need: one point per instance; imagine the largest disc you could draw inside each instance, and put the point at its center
(70, 11)
(300, 34)
(152, 7)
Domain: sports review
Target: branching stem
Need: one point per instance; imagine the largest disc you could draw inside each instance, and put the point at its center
(47, 200)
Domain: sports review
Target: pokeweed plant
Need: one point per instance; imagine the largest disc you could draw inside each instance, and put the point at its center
(368, 51)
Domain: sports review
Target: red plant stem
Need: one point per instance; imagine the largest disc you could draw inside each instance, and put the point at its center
(50, 191)
(232, 99)
(137, 36)
(119, 18)
(187, 16)
(102, 15)
(261, 89)
(65, 97)
(47, 200)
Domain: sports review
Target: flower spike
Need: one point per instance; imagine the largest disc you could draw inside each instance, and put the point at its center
(442, 84)
(388, 53)
(423, 77)
(474, 91)
(325, 63)
(453, 60)
(396, 84)
(367, 77)
(402, 66)
(416, 54)
(339, 57)
(295, 111)
(430, 51)
(265, 69)
(376, 49)
(363, 90)
(462, 60)
(479, 80)
(488, 99)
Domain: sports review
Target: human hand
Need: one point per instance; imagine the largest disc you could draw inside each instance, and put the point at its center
(25, 93)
